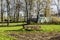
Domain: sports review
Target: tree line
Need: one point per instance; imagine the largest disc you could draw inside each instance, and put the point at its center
(29, 7)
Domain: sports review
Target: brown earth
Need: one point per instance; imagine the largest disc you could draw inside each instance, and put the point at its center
(35, 35)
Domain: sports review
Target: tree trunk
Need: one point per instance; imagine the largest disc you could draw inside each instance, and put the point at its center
(17, 10)
(1, 11)
(27, 11)
(8, 12)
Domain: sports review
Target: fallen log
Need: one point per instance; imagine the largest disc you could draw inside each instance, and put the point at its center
(32, 27)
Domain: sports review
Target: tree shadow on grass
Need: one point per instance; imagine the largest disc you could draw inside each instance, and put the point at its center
(10, 25)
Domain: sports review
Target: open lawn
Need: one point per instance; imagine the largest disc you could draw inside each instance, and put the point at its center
(4, 36)
(10, 28)
(49, 28)
(44, 28)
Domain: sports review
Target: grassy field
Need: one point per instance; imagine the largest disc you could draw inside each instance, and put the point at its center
(49, 28)
(4, 36)
(44, 28)
(2, 29)
(12, 26)
(3, 32)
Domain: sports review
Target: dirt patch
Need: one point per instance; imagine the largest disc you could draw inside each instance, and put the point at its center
(35, 35)
(55, 37)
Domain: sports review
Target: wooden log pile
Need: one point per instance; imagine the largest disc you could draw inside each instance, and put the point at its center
(32, 27)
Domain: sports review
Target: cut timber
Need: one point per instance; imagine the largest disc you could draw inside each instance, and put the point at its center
(32, 27)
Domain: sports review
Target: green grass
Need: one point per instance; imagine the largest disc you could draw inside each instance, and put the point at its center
(49, 28)
(44, 28)
(10, 28)
(4, 36)
(12, 23)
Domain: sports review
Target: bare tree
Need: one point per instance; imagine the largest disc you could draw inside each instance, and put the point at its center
(57, 5)
(27, 11)
(17, 10)
(8, 12)
(14, 11)
(30, 4)
(38, 9)
(1, 10)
